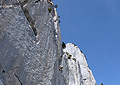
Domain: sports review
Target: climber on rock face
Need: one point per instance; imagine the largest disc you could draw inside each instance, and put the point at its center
(60, 67)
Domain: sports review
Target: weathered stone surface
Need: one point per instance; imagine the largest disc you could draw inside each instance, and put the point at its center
(75, 68)
(25, 57)
(30, 46)
(8, 2)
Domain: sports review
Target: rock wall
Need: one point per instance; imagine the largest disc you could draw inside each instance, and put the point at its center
(30, 42)
(75, 68)
(30, 46)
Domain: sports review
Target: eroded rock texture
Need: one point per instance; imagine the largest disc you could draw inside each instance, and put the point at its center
(30, 46)
(75, 68)
(30, 42)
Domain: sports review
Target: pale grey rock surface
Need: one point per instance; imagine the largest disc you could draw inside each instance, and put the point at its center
(25, 58)
(30, 45)
(75, 68)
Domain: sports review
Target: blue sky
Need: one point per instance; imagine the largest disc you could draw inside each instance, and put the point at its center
(94, 26)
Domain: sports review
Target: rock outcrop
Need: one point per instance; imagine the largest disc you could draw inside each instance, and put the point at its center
(75, 68)
(30, 47)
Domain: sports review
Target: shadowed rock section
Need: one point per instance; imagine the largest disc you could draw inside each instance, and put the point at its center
(30, 45)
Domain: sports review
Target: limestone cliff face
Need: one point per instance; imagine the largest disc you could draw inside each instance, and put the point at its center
(75, 68)
(30, 47)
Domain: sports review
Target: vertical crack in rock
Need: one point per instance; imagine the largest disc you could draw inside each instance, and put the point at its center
(18, 79)
(29, 18)
(26, 12)
(81, 82)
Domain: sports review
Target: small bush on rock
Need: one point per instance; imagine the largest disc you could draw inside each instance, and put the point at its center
(74, 59)
(59, 21)
(56, 6)
(63, 45)
(69, 56)
(81, 51)
(49, 9)
(67, 53)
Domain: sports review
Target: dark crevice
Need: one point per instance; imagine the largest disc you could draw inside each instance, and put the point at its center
(3, 71)
(18, 79)
(79, 68)
(37, 1)
(26, 12)
(84, 79)
(30, 20)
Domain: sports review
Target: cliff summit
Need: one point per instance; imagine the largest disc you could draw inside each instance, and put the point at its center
(30, 47)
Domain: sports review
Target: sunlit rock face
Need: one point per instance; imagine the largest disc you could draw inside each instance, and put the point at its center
(30, 42)
(30, 47)
(75, 68)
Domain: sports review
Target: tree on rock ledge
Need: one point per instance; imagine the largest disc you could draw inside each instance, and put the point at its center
(63, 45)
